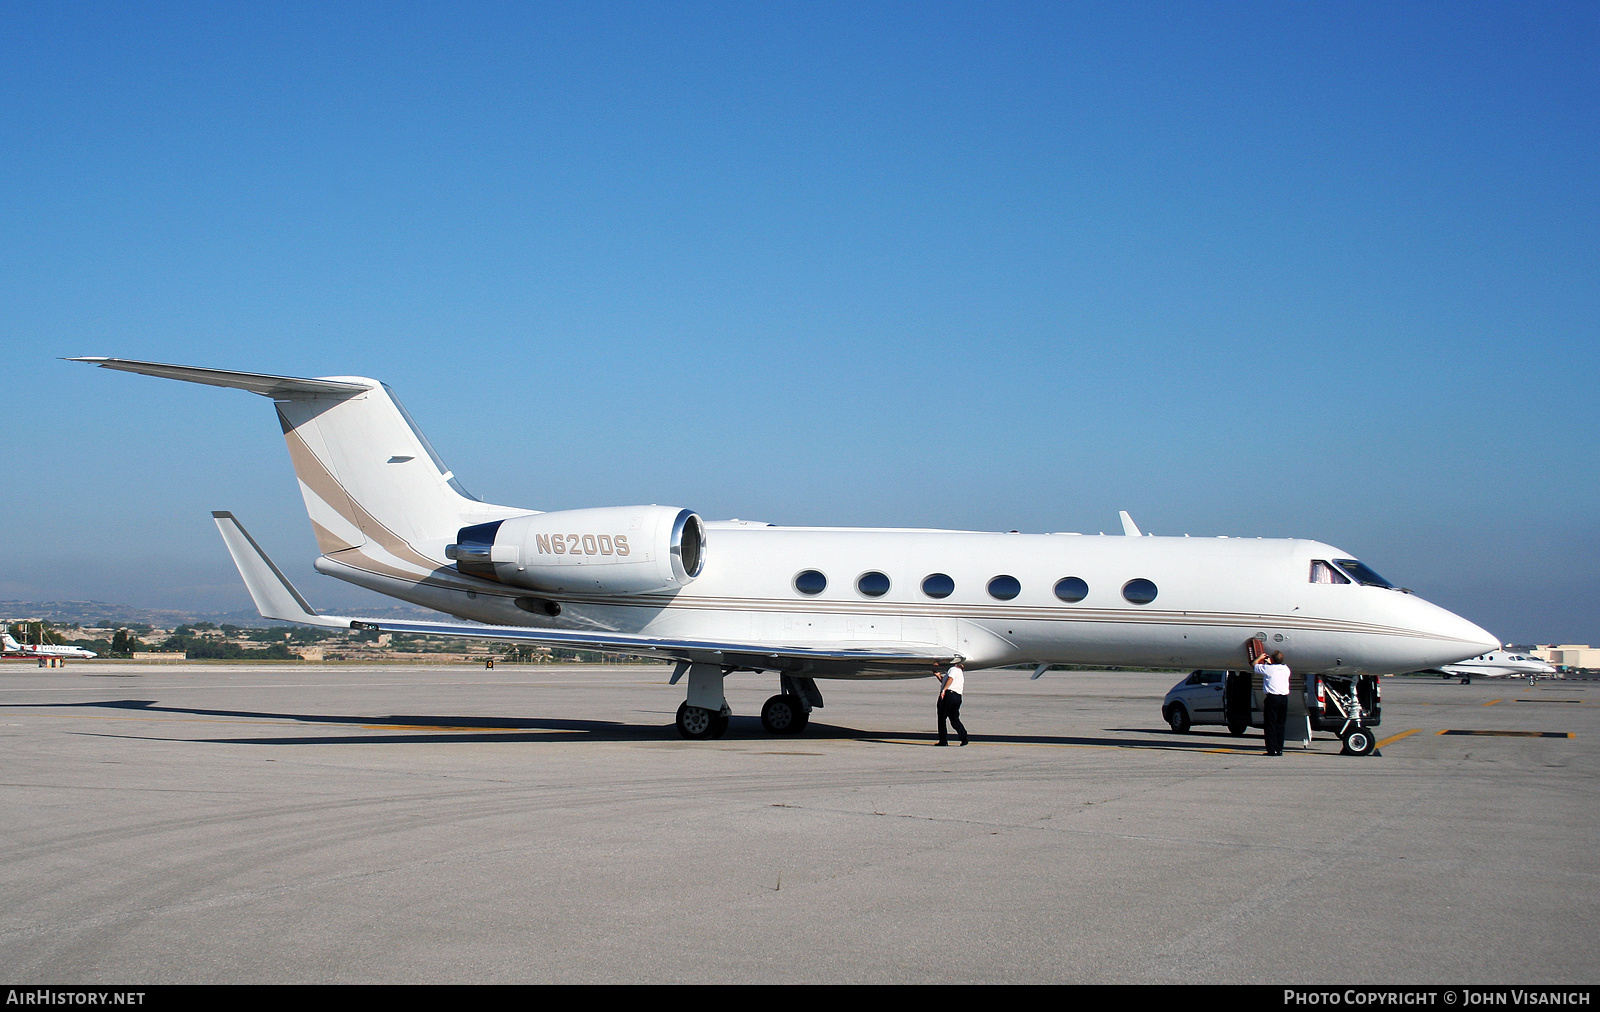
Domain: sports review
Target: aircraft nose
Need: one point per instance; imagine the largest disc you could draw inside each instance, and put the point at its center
(1458, 637)
(1482, 640)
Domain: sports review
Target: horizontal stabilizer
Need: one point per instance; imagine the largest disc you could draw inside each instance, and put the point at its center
(277, 387)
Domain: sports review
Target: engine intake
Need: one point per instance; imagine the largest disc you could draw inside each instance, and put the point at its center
(612, 550)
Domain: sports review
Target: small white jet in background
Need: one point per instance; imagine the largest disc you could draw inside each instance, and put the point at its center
(42, 651)
(799, 602)
(1498, 664)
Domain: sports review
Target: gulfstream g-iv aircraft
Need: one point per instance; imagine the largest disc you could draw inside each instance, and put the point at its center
(800, 602)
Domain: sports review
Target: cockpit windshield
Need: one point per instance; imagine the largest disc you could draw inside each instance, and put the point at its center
(1321, 572)
(1362, 573)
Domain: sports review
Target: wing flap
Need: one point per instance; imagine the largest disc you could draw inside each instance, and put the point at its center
(841, 659)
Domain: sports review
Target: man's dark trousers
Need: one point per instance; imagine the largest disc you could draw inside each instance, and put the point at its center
(950, 709)
(1274, 711)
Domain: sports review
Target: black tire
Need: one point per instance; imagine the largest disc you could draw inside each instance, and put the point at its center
(1238, 730)
(1360, 741)
(784, 714)
(697, 723)
(1178, 718)
(719, 725)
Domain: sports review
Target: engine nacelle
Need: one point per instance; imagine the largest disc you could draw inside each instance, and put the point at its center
(612, 550)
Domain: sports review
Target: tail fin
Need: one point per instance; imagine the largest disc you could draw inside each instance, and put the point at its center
(370, 480)
(11, 644)
(369, 475)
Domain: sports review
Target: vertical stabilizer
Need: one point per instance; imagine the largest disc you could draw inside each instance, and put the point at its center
(377, 493)
(369, 476)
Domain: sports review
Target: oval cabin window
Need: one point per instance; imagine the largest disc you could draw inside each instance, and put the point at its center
(1139, 591)
(873, 584)
(1071, 589)
(1004, 588)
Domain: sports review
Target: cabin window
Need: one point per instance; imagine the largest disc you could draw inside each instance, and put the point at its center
(1004, 588)
(1362, 573)
(873, 584)
(939, 586)
(810, 583)
(1139, 591)
(1321, 572)
(1071, 589)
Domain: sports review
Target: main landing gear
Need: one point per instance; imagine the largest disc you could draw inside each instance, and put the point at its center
(785, 714)
(699, 724)
(704, 715)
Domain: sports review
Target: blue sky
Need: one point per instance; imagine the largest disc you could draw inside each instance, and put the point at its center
(989, 266)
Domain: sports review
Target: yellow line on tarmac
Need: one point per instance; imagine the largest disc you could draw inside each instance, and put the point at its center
(447, 727)
(1492, 702)
(1402, 734)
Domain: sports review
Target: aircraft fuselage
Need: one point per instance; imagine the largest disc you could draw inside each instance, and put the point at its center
(1211, 595)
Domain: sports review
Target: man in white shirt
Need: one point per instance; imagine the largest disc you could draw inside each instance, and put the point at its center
(1274, 698)
(950, 685)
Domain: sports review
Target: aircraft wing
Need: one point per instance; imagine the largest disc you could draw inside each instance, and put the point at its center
(275, 597)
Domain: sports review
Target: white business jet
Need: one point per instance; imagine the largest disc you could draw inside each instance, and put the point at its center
(1498, 664)
(42, 651)
(801, 602)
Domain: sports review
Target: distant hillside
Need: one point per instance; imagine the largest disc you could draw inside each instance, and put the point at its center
(101, 614)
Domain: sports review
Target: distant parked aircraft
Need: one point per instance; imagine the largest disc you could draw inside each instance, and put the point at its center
(41, 650)
(1497, 664)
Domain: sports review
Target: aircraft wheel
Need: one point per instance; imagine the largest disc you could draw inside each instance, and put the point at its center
(697, 723)
(1238, 730)
(719, 725)
(784, 714)
(1360, 741)
(1178, 717)
(1466, 679)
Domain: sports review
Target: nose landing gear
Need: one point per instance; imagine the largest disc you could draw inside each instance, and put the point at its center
(1359, 741)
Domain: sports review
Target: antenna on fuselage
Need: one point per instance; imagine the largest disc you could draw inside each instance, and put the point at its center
(1129, 528)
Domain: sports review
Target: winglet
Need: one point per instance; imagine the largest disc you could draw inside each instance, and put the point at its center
(1129, 528)
(273, 594)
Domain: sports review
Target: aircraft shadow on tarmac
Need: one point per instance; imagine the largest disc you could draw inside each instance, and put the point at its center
(430, 728)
